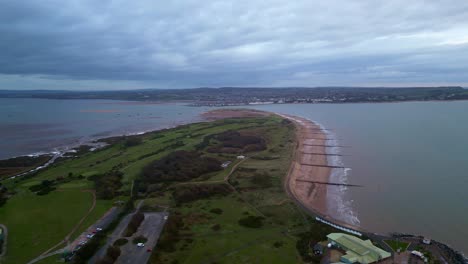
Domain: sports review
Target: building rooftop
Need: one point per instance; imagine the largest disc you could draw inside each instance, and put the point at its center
(358, 250)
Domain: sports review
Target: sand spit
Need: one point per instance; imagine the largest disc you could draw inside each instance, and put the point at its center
(233, 113)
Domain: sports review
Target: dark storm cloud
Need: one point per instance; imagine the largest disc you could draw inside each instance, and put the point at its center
(108, 44)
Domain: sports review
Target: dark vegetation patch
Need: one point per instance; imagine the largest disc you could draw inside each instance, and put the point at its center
(251, 221)
(134, 223)
(278, 244)
(139, 239)
(120, 242)
(14, 166)
(216, 211)
(318, 232)
(107, 185)
(265, 157)
(233, 142)
(173, 146)
(216, 227)
(133, 141)
(112, 254)
(44, 187)
(262, 180)
(170, 235)
(190, 193)
(4, 195)
(179, 166)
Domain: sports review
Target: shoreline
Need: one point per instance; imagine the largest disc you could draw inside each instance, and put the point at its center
(319, 208)
(311, 196)
(67, 150)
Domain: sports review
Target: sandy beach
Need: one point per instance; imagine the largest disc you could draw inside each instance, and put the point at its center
(304, 181)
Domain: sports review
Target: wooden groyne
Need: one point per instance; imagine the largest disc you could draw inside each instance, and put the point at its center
(323, 166)
(330, 183)
(327, 146)
(322, 154)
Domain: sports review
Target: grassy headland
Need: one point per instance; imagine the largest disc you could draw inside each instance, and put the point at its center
(239, 213)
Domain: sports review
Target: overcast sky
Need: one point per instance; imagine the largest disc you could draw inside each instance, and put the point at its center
(89, 44)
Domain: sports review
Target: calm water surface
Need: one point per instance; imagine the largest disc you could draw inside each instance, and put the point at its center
(37, 125)
(412, 159)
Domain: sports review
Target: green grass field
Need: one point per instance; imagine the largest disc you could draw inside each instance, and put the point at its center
(275, 241)
(395, 245)
(37, 223)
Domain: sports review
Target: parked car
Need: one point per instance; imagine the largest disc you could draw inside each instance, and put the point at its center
(140, 245)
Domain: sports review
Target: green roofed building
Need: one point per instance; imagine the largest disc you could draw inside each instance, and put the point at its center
(357, 250)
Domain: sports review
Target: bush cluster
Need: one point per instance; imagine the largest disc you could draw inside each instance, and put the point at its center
(112, 254)
(43, 188)
(190, 193)
(252, 221)
(179, 166)
(108, 185)
(134, 223)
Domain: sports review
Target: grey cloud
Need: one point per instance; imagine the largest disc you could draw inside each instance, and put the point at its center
(99, 44)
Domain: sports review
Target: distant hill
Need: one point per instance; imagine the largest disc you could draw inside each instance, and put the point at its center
(249, 95)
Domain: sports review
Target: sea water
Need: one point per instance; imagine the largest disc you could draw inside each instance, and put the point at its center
(30, 126)
(410, 158)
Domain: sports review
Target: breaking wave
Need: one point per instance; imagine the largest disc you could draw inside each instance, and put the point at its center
(338, 206)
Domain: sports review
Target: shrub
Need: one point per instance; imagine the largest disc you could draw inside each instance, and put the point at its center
(179, 166)
(261, 180)
(278, 244)
(216, 211)
(189, 193)
(133, 141)
(235, 142)
(108, 185)
(251, 221)
(170, 233)
(45, 190)
(113, 252)
(139, 239)
(134, 223)
(120, 242)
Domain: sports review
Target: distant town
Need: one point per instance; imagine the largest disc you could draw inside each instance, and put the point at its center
(234, 96)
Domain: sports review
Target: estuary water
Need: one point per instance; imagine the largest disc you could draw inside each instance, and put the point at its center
(411, 158)
(30, 126)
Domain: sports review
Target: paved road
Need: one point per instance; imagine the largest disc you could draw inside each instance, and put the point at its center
(151, 229)
(104, 222)
(117, 233)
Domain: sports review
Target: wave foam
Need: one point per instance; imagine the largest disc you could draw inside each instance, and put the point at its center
(338, 207)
